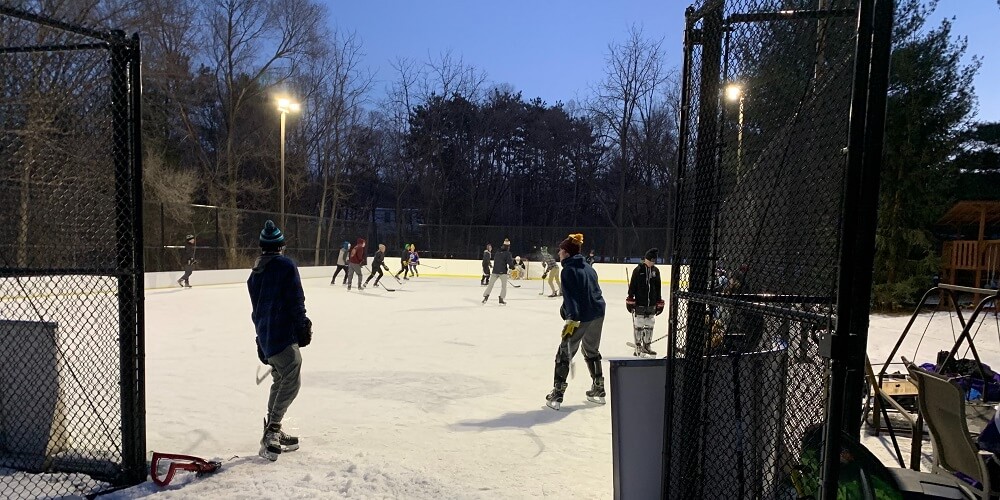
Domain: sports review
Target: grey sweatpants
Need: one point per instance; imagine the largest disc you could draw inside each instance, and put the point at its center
(285, 382)
(503, 285)
(353, 269)
(588, 335)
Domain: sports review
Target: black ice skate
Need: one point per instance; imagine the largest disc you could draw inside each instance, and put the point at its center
(502, 302)
(554, 399)
(485, 298)
(284, 442)
(647, 350)
(596, 393)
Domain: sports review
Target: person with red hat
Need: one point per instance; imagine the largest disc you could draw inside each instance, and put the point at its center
(583, 312)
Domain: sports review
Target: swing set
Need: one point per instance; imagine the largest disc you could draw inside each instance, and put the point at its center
(888, 391)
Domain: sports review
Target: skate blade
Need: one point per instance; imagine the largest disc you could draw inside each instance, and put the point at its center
(555, 405)
(290, 447)
(599, 400)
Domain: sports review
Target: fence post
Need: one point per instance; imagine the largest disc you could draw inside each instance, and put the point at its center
(218, 238)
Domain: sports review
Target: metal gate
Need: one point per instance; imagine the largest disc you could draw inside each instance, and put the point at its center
(783, 104)
(72, 417)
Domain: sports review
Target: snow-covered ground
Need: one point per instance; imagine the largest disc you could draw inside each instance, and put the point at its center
(419, 393)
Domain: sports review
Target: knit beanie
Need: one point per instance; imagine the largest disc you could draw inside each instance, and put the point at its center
(651, 254)
(572, 243)
(271, 235)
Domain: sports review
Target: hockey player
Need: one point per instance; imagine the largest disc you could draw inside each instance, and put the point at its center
(552, 271)
(583, 310)
(502, 264)
(414, 260)
(282, 327)
(190, 246)
(644, 301)
(404, 260)
(487, 257)
(378, 262)
(354, 262)
(345, 249)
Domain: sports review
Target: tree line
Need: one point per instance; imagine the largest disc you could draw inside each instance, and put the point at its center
(438, 136)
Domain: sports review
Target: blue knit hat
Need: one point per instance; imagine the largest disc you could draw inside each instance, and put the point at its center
(271, 235)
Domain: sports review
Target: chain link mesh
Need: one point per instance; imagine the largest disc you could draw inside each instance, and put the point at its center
(70, 400)
(167, 225)
(766, 97)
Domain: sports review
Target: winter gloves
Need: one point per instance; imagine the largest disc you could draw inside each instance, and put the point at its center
(659, 307)
(569, 328)
(305, 333)
(630, 303)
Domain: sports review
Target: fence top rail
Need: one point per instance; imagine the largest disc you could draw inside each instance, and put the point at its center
(107, 36)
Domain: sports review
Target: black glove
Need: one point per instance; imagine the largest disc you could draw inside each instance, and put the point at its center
(630, 303)
(260, 352)
(305, 333)
(544, 274)
(659, 307)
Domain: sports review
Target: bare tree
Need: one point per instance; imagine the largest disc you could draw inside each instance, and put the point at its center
(635, 71)
(254, 44)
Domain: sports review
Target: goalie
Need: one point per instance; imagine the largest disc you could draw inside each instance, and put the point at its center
(644, 301)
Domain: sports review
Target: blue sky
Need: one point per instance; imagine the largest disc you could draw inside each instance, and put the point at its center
(555, 49)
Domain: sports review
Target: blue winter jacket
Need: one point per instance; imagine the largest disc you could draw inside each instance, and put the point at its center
(279, 305)
(582, 298)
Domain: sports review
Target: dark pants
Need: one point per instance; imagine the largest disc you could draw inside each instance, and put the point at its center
(335, 273)
(486, 275)
(405, 269)
(378, 271)
(188, 268)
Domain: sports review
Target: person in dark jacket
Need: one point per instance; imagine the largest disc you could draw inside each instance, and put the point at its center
(590, 257)
(501, 265)
(487, 257)
(190, 246)
(345, 250)
(354, 262)
(404, 260)
(644, 301)
(279, 318)
(583, 311)
(378, 262)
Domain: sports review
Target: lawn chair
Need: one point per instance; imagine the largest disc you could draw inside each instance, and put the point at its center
(942, 407)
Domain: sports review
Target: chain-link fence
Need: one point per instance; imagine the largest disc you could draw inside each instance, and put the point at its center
(315, 241)
(72, 419)
(766, 216)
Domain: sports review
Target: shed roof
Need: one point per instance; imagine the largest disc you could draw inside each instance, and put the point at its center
(967, 212)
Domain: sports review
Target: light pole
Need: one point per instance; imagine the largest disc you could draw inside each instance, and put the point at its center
(285, 106)
(734, 92)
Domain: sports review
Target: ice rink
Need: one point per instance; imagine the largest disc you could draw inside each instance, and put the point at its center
(419, 393)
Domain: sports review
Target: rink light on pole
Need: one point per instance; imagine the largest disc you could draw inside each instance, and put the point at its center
(734, 93)
(285, 106)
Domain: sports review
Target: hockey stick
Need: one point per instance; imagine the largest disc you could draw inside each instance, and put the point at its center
(428, 265)
(386, 288)
(261, 377)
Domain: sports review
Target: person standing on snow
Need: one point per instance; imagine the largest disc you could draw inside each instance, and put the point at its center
(583, 311)
(190, 246)
(345, 249)
(487, 257)
(501, 265)
(282, 327)
(355, 261)
(378, 262)
(644, 301)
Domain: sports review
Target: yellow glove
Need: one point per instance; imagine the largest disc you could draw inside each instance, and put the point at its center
(569, 328)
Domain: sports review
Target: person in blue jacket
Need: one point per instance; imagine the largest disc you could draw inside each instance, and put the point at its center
(282, 327)
(583, 311)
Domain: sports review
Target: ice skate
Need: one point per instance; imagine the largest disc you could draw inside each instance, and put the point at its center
(596, 393)
(554, 399)
(647, 350)
(485, 298)
(553, 294)
(270, 444)
(180, 283)
(502, 302)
